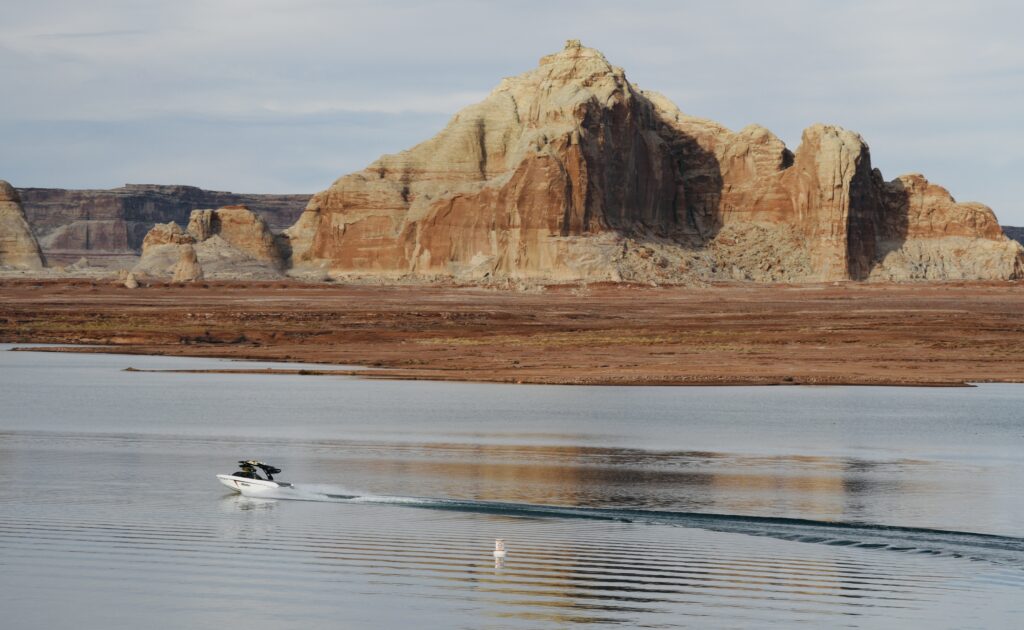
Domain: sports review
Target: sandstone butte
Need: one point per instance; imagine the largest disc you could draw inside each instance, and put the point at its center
(569, 172)
(18, 247)
(227, 243)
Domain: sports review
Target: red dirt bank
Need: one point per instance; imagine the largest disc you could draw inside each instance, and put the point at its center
(944, 334)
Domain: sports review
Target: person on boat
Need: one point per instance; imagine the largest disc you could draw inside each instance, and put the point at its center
(249, 470)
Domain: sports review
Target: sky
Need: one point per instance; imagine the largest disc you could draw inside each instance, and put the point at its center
(287, 95)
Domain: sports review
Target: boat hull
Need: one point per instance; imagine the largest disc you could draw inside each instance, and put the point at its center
(251, 487)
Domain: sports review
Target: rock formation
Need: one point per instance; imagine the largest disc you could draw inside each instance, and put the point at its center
(18, 247)
(109, 225)
(924, 234)
(187, 269)
(230, 242)
(855, 225)
(511, 187)
(166, 234)
(565, 173)
(569, 172)
(240, 227)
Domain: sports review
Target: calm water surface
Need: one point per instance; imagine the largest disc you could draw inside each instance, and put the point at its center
(632, 506)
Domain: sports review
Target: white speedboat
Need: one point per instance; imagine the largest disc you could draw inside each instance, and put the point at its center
(248, 480)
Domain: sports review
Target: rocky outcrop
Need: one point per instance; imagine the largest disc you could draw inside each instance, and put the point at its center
(568, 171)
(230, 242)
(924, 234)
(166, 234)
(240, 227)
(187, 269)
(854, 224)
(18, 247)
(109, 226)
(511, 187)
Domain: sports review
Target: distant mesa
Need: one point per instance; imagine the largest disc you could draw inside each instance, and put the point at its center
(569, 172)
(108, 226)
(1016, 233)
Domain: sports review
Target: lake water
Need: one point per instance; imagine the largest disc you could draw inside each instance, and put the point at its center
(629, 506)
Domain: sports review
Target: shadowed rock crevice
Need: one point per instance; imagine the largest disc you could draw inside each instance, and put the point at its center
(893, 225)
(701, 189)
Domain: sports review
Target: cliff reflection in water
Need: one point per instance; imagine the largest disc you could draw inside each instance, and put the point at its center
(580, 576)
(822, 488)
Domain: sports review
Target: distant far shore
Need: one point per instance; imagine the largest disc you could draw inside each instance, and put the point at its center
(947, 334)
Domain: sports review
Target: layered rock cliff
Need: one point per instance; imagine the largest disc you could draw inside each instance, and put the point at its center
(569, 172)
(854, 225)
(108, 226)
(511, 187)
(18, 247)
(227, 243)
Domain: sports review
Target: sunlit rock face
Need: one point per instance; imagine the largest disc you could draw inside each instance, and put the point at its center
(569, 172)
(18, 247)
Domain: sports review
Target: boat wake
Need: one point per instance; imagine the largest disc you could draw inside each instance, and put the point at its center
(1003, 550)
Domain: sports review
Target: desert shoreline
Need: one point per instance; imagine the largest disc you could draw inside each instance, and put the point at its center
(943, 334)
(400, 375)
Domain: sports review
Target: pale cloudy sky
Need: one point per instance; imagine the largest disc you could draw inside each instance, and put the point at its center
(286, 95)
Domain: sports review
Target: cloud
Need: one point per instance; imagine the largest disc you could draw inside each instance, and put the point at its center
(933, 87)
(444, 103)
(72, 35)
